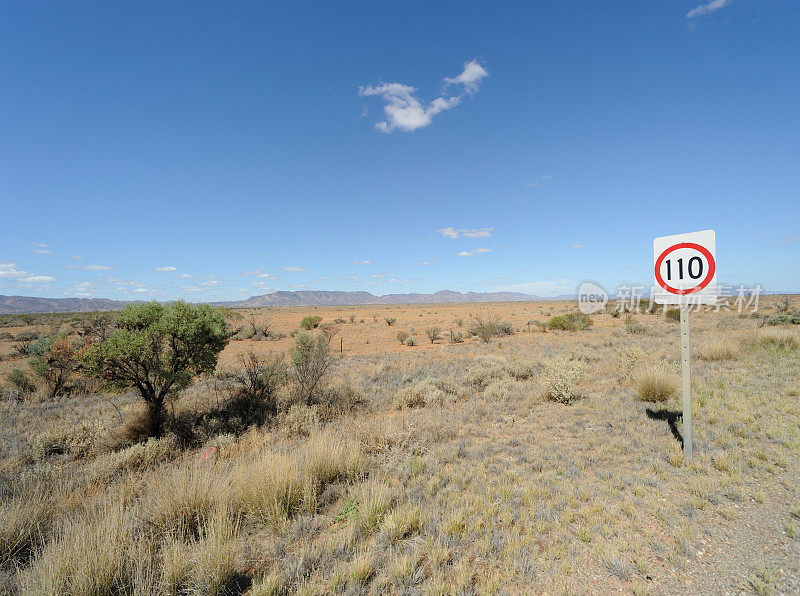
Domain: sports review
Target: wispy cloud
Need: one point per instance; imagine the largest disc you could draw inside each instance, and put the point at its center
(169, 268)
(450, 232)
(89, 267)
(364, 262)
(294, 268)
(477, 251)
(707, 8)
(406, 112)
(576, 245)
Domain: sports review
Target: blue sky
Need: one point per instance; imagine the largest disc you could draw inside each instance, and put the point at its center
(220, 150)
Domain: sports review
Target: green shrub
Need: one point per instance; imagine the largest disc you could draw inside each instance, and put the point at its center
(390, 321)
(310, 322)
(573, 321)
(790, 319)
(456, 338)
(55, 362)
(673, 314)
(402, 336)
(311, 361)
(411, 341)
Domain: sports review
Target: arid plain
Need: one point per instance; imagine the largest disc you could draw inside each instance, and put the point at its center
(537, 461)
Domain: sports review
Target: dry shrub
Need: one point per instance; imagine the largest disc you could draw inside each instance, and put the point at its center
(720, 349)
(562, 375)
(522, 369)
(498, 388)
(428, 391)
(487, 369)
(655, 385)
(625, 359)
(328, 457)
(342, 398)
(300, 420)
(374, 500)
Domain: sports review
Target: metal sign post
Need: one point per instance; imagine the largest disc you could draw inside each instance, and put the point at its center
(686, 274)
(686, 384)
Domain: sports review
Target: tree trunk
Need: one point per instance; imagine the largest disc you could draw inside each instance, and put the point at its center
(155, 417)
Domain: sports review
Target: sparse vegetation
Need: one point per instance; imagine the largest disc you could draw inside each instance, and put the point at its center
(562, 375)
(390, 321)
(434, 334)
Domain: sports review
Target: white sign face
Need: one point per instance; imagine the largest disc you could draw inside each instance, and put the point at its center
(685, 268)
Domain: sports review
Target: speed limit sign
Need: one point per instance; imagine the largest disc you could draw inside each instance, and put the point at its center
(685, 271)
(685, 268)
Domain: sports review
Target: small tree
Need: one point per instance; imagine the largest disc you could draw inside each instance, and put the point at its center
(402, 336)
(55, 363)
(329, 330)
(433, 333)
(311, 360)
(158, 349)
(390, 321)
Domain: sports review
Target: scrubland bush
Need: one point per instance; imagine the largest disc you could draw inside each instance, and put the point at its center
(720, 349)
(573, 321)
(427, 391)
(310, 322)
(76, 441)
(390, 321)
(56, 364)
(402, 336)
(498, 388)
(329, 331)
(485, 370)
(562, 375)
(456, 338)
(311, 361)
(300, 420)
(433, 333)
(784, 319)
(135, 458)
(655, 385)
(522, 369)
(252, 392)
(625, 359)
(18, 380)
(24, 522)
(486, 329)
(410, 341)
(633, 326)
(673, 314)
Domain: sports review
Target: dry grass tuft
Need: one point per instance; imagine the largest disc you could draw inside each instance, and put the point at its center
(720, 349)
(655, 385)
(24, 520)
(783, 339)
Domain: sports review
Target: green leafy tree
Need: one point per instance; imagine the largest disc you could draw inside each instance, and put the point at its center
(158, 349)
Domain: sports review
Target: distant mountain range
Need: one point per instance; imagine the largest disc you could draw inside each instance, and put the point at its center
(31, 304)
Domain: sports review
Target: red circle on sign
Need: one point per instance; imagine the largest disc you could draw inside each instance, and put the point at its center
(712, 267)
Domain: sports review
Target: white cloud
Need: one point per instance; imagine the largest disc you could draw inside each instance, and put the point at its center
(141, 291)
(423, 264)
(186, 276)
(464, 253)
(470, 77)
(89, 267)
(41, 245)
(169, 268)
(451, 232)
(707, 8)
(42, 251)
(211, 282)
(482, 250)
(547, 288)
(546, 177)
(474, 252)
(576, 246)
(76, 257)
(406, 112)
(10, 271)
(294, 268)
(364, 262)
